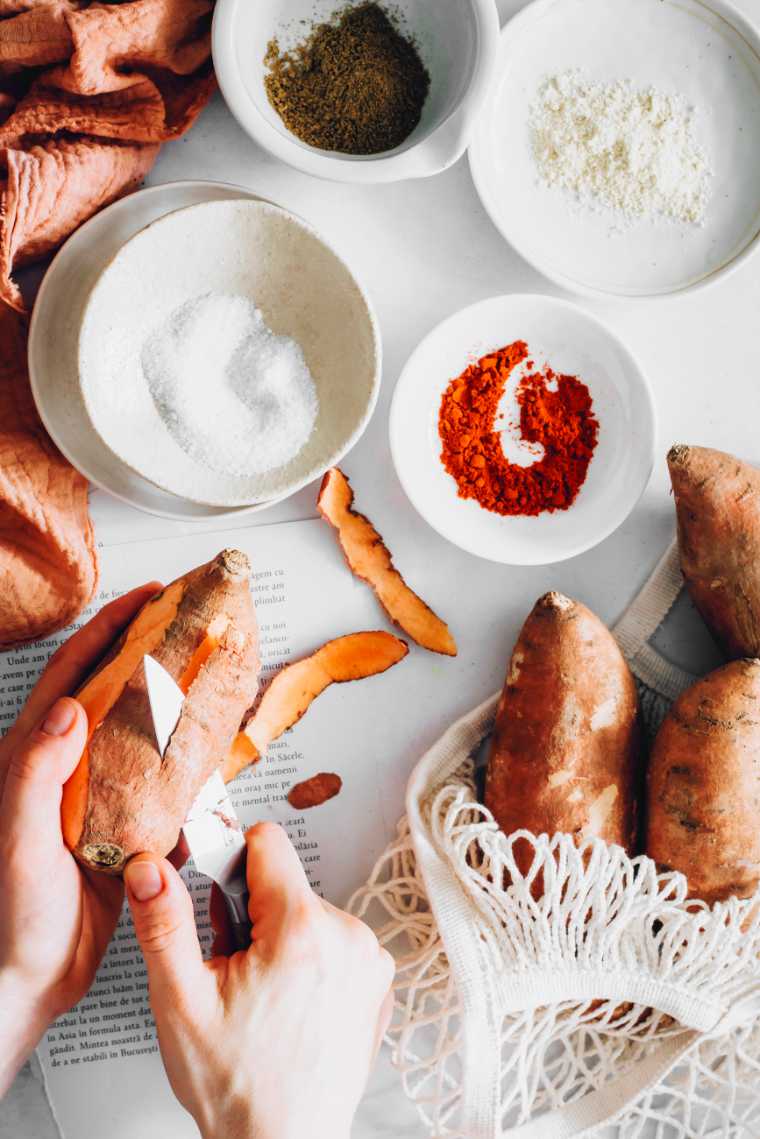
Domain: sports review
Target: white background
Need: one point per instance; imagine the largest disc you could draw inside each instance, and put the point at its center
(424, 250)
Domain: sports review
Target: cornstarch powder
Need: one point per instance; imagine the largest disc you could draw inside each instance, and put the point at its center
(613, 145)
(236, 398)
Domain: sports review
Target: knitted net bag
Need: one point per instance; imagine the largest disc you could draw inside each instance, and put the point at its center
(606, 1004)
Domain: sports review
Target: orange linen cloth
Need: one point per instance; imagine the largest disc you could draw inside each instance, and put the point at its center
(88, 92)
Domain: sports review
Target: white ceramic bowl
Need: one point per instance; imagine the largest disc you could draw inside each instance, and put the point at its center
(53, 352)
(302, 287)
(457, 40)
(572, 342)
(705, 50)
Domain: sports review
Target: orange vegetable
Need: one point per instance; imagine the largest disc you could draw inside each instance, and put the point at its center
(124, 796)
(101, 691)
(292, 691)
(718, 510)
(704, 785)
(565, 752)
(369, 559)
(211, 641)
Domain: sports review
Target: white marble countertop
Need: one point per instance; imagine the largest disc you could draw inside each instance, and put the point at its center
(425, 249)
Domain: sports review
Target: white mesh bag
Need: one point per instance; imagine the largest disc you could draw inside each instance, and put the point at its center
(608, 1006)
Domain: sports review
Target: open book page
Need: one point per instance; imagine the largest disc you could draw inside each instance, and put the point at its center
(101, 1062)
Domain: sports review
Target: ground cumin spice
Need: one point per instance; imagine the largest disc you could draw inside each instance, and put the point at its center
(355, 85)
(556, 414)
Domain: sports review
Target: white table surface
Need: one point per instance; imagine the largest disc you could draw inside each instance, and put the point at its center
(425, 249)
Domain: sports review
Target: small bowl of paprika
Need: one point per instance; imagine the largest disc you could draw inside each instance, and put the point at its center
(357, 90)
(522, 429)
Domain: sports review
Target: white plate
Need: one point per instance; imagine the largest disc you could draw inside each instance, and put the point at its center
(54, 334)
(708, 52)
(304, 290)
(570, 341)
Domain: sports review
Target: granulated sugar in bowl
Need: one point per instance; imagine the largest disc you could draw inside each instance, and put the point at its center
(242, 378)
(228, 355)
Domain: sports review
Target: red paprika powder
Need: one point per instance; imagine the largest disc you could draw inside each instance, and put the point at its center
(556, 412)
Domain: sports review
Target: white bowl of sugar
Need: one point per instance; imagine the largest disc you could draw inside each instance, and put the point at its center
(228, 355)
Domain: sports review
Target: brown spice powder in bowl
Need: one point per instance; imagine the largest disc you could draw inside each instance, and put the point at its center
(356, 85)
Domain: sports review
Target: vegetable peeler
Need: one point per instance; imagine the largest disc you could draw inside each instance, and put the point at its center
(212, 830)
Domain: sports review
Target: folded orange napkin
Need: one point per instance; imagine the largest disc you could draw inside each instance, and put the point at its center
(88, 92)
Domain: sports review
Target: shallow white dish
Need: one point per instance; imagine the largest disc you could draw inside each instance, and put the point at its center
(304, 290)
(571, 341)
(54, 336)
(457, 40)
(709, 53)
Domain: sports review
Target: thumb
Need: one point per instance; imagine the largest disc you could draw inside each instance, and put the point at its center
(162, 911)
(38, 769)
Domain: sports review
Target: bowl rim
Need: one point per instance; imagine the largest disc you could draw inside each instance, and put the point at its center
(725, 10)
(391, 167)
(645, 390)
(81, 233)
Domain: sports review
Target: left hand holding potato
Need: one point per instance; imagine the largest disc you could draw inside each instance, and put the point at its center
(56, 919)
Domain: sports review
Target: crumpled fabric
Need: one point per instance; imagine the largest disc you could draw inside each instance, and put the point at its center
(47, 551)
(88, 93)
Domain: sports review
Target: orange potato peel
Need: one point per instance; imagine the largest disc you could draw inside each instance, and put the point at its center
(315, 791)
(369, 559)
(353, 657)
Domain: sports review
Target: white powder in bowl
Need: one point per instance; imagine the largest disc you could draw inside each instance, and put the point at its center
(237, 398)
(630, 149)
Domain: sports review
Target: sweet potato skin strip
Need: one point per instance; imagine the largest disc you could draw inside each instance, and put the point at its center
(288, 697)
(315, 791)
(369, 559)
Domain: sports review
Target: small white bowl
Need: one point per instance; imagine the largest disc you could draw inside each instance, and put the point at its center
(703, 49)
(457, 41)
(304, 290)
(570, 341)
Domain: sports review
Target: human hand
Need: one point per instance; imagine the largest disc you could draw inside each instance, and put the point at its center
(275, 1042)
(56, 918)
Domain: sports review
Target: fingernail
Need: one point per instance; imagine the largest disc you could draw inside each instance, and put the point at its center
(143, 880)
(60, 718)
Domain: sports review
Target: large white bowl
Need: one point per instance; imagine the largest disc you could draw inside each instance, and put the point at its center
(457, 40)
(53, 351)
(572, 342)
(304, 290)
(705, 50)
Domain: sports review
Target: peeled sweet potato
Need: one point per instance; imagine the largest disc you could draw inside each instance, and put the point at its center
(565, 749)
(704, 785)
(718, 510)
(369, 559)
(123, 796)
(288, 697)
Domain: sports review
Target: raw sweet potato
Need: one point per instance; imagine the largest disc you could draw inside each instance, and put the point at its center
(565, 749)
(290, 694)
(718, 511)
(704, 785)
(123, 796)
(369, 559)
